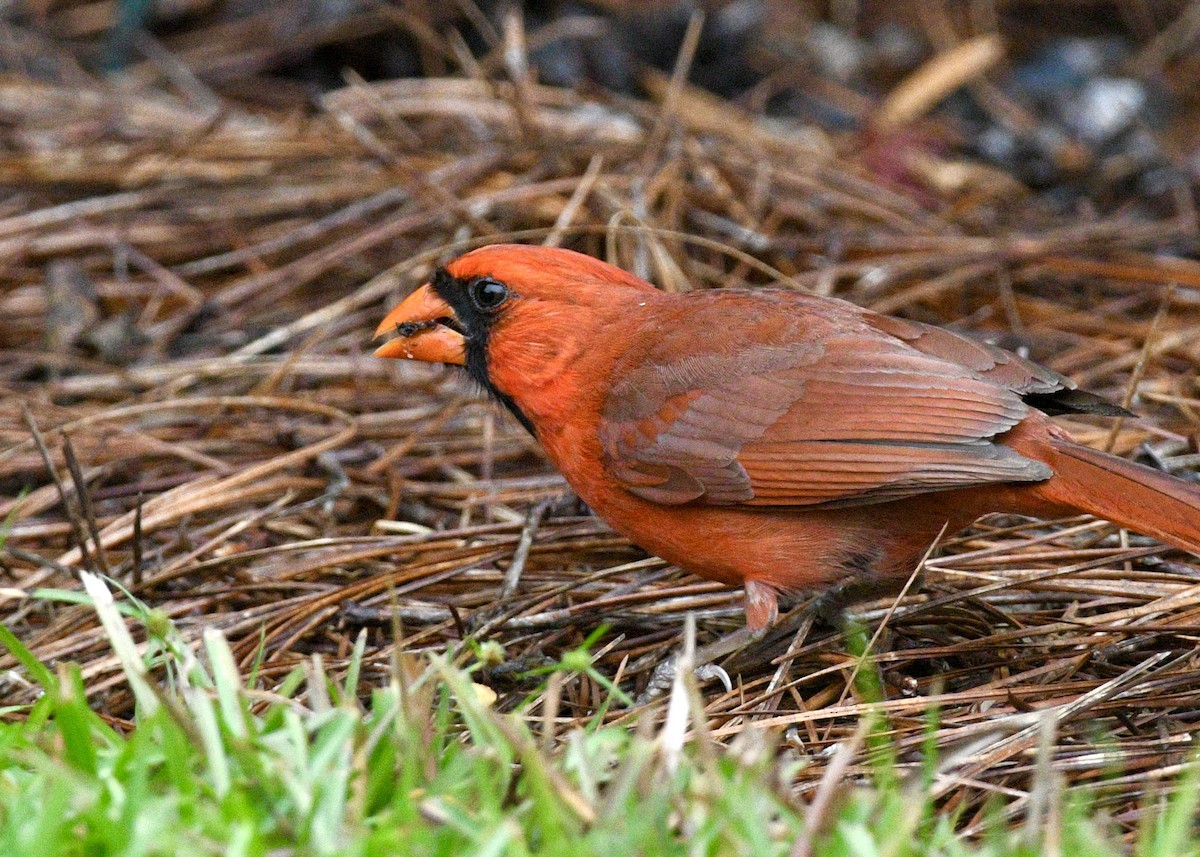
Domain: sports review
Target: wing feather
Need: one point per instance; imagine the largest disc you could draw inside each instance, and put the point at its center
(832, 406)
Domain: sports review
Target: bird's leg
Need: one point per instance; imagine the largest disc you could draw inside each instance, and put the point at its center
(762, 609)
(830, 606)
(762, 615)
(762, 606)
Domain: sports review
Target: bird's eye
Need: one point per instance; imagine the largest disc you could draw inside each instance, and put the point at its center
(488, 293)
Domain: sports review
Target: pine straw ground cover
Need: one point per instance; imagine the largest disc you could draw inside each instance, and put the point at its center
(190, 408)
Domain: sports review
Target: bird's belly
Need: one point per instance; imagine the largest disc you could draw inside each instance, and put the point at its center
(788, 549)
(792, 549)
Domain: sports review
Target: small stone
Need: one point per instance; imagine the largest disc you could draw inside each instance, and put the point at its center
(116, 340)
(897, 46)
(70, 304)
(998, 144)
(837, 53)
(1104, 108)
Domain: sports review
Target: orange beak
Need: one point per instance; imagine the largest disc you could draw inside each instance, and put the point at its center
(421, 335)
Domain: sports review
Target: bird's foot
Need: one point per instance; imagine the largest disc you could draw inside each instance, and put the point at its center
(762, 616)
(762, 609)
(664, 674)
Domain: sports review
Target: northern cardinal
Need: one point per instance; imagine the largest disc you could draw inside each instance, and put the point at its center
(767, 438)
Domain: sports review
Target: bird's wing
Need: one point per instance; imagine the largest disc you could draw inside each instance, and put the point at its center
(1022, 376)
(787, 401)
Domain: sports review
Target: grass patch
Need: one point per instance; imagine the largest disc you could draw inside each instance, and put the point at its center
(426, 765)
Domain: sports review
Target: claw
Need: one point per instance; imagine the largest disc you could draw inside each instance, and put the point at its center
(664, 675)
(707, 672)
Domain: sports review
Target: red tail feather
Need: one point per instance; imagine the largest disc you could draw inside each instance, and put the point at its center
(1144, 500)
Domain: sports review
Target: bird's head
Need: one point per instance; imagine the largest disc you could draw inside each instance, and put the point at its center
(516, 317)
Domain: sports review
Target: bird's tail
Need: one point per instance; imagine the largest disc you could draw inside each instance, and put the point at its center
(1139, 498)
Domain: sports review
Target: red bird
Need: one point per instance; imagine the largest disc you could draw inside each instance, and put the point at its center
(770, 439)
